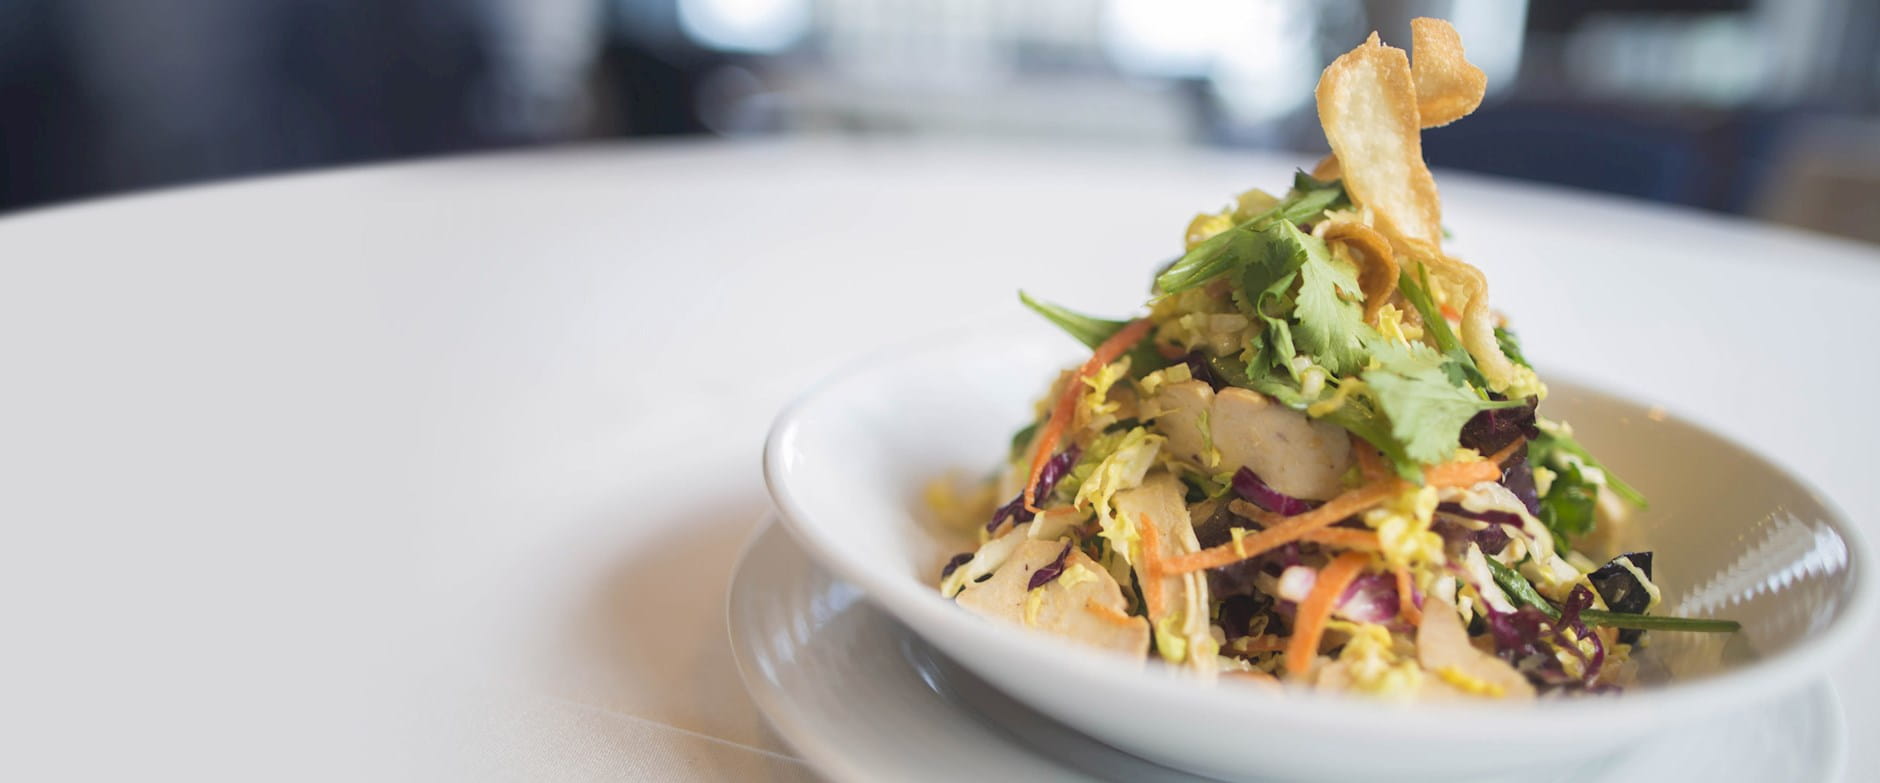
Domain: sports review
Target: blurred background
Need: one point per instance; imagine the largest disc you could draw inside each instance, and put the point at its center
(1765, 108)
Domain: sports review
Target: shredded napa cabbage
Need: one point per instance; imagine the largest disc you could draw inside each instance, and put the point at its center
(1122, 469)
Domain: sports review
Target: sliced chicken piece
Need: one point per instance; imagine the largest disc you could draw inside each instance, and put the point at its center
(1083, 603)
(1442, 643)
(1181, 415)
(1177, 604)
(1298, 456)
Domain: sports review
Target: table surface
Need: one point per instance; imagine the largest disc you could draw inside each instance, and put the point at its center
(438, 469)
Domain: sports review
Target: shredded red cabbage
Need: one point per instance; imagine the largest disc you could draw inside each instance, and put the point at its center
(1491, 539)
(1202, 371)
(1054, 471)
(1049, 571)
(1517, 474)
(1492, 430)
(1622, 591)
(1371, 598)
(1255, 490)
(954, 565)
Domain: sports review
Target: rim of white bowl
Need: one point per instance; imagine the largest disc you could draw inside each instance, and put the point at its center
(927, 613)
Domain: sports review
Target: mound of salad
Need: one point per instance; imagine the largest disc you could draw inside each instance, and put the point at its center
(1318, 457)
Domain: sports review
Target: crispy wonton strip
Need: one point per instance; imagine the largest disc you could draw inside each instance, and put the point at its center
(1368, 107)
(1327, 169)
(1309, 626)
(1464, 288)
(1106, 352)
(1448, 86)
(1377, 270)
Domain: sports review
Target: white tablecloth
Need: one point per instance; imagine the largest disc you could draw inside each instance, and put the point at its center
(438, 470)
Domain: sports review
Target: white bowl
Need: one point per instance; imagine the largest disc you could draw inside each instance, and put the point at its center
(1735, 536)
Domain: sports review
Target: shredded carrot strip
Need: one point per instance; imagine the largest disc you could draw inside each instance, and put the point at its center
(1287, 531)
(1461, 474)
(1053, 431)
(1262, 643)
(1407, 603)
(1507, 451)
(1107, 614)
(1344, 538)
(1370, 463)
(1151, 567)
(1255, 513)
(1309, 625)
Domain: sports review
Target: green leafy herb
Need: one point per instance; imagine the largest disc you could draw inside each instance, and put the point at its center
(1518, 588)
(1022, 438)
(1554, 440)
(1511, 346)
(1426, 410)
(1417, 291)
(1567, 509)
(1223, 252)
(1088, 330)
(1358, 415)
(1651, 622)
(1327, 307)
(1092, 331)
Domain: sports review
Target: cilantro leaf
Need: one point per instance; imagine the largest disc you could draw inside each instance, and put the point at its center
(1331, 320)
(1238, 245)
(1426, 410)
(1357, 416)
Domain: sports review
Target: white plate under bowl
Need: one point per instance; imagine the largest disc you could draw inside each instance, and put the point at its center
(867, 700)
(1736, 537)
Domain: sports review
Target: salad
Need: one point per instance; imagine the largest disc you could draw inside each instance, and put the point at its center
(1319, 457)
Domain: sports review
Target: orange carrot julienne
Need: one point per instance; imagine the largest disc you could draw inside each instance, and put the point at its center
(1053, 431)
(1461, 474)
(1151, 566)
(1309, 624)
(1287, 531)
(1507, 451)
(1341, 537)
(1344, 538)
(1370, 463)
(1406, 603)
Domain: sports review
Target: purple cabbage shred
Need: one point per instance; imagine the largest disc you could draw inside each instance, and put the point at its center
(954, 565)
(1492, 430)
(1202, 371)
(1054, 471)
(1049, 571)
(1255, 490)
(1370, 598)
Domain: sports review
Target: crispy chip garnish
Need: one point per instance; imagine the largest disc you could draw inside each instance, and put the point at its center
(1447, 86)
(1368, 107)
(1377, 264)
(1327, 169)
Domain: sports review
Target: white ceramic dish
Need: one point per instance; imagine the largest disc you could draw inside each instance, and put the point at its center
(1738, 537)
(864, 699)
